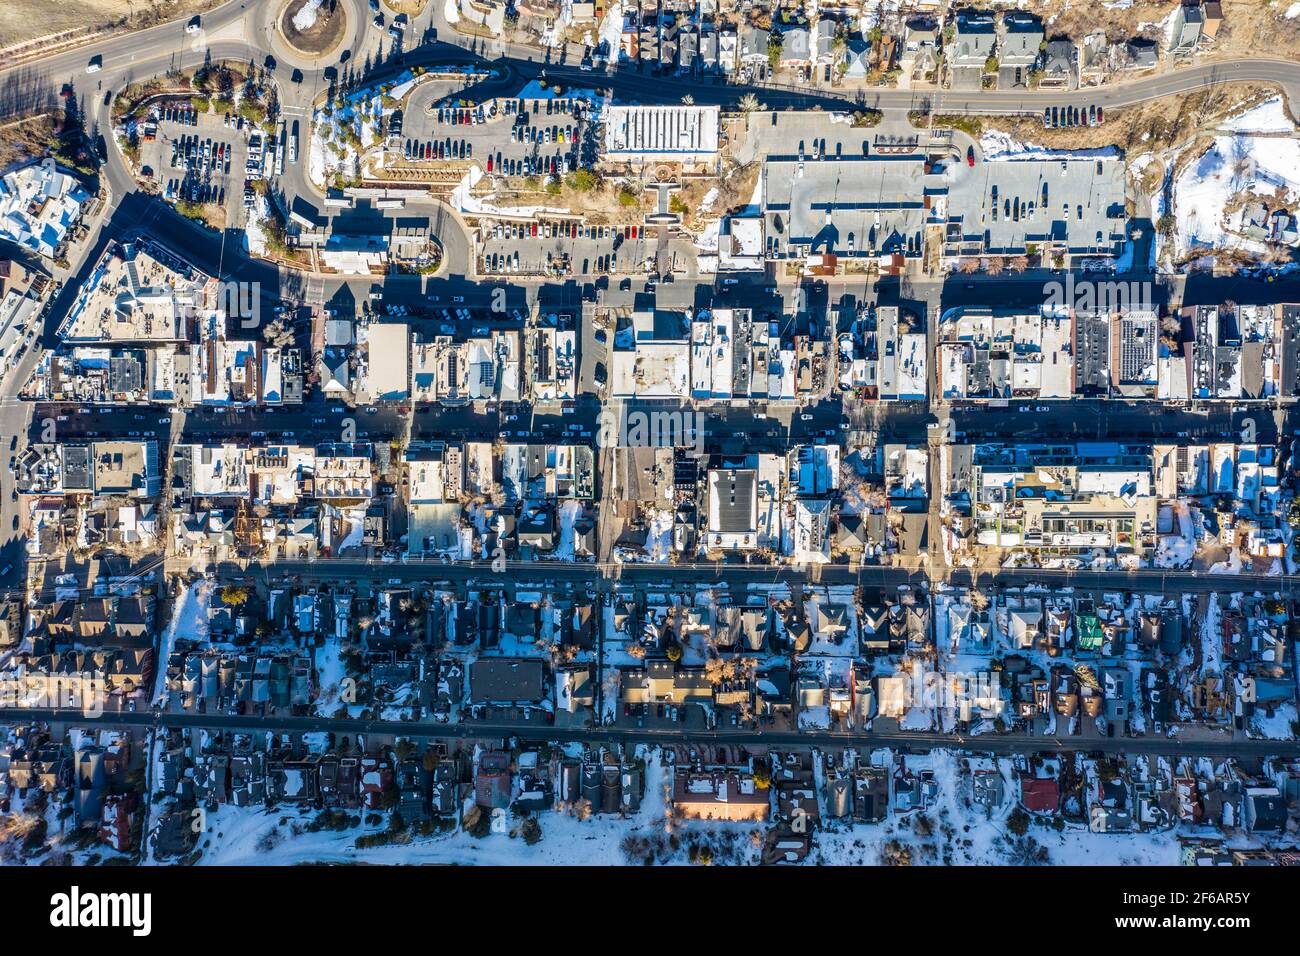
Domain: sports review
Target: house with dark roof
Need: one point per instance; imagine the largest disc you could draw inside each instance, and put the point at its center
(1263, 809)
(493, 782)
(1040, 794)
(508, 681)
(870, 794)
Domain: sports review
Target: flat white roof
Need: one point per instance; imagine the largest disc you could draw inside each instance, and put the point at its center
(390, 356)
(670, 131)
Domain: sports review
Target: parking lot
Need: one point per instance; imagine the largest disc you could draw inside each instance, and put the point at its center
(508, 137)
(206, 158)
(562, 248)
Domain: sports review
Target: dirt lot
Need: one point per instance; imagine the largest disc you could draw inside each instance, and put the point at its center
(600, 204)
(22, 20)
(734, 190)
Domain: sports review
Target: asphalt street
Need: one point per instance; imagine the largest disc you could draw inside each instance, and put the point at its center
(478, 730)
(609, 575)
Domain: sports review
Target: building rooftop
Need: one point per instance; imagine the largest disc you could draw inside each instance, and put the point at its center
(846, 205)
(1004, 205)
(137, 294)
(39, 203)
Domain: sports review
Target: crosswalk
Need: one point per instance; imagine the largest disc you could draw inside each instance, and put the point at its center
(315, 294)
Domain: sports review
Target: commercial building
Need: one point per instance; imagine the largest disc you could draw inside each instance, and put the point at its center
(642, 135)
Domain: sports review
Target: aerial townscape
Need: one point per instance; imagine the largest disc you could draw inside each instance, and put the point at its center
(751, 432)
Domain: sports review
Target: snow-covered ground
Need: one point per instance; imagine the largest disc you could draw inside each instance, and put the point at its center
(190, 620)
(659, 536)
(1267, 117)
(951, 829)
(238, 836)
(611, 29)
(336, 690)
(1211, 638)
(1251, 160)
(254, 235)
(567, 513)
(1177, 550)
(305, 18)
(996, 144)
(1278, 727)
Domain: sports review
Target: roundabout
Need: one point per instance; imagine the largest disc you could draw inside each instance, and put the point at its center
(313, 28)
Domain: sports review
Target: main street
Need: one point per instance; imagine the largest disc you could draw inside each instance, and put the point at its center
(608, 575)
(421, 731)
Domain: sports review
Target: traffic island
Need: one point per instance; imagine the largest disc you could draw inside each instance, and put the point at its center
(313, 27)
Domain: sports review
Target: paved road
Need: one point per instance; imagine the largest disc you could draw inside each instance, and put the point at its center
(992, 743)
(606, 575)
(243, 30)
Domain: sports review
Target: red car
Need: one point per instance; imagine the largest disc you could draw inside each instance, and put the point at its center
(970, 155)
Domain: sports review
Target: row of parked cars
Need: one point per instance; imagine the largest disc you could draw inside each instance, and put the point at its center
(461, 115)
(529, 165)
(497, 262)
(558, 230)
(233, 121)
(549, 107)
(528, 133)
(443, 149)
(1065, 116)
(195, 190)
(200, 155)
(181, 115)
